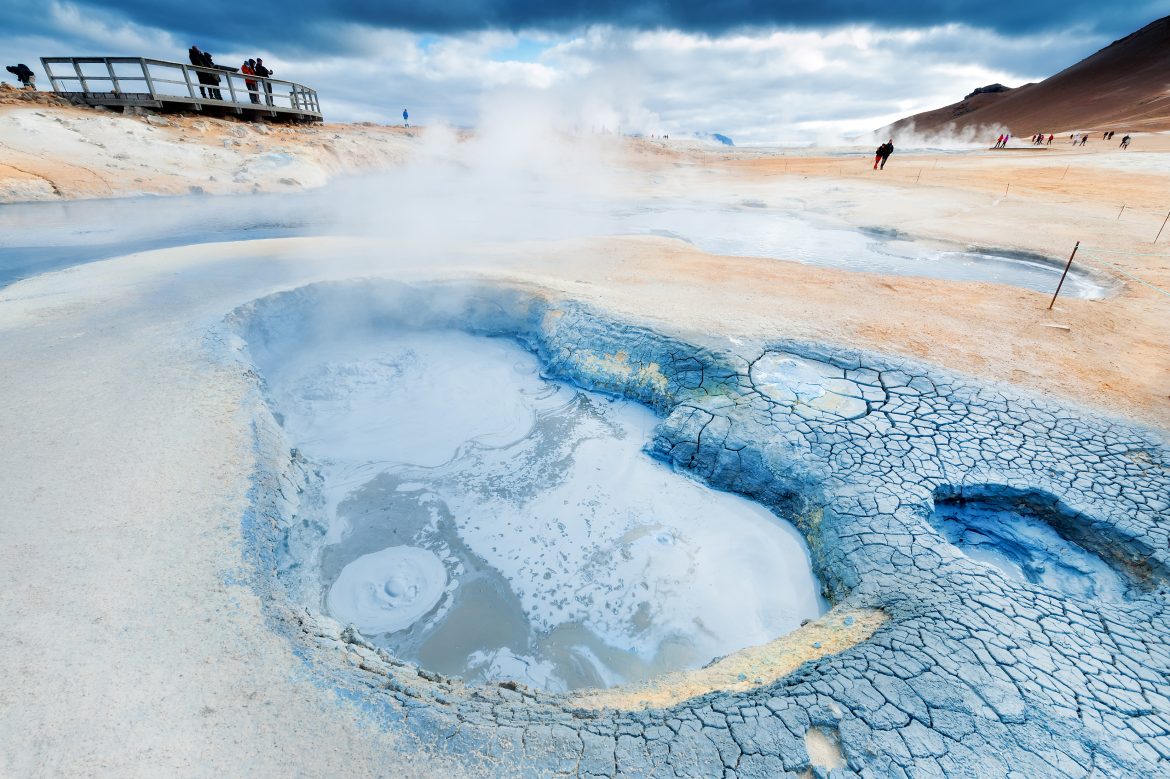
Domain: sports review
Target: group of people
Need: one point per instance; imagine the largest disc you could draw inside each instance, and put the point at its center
(1039, 139)
(1107, 136)
(883, 153)
(255, 67)
(209, 82)
(1124, 139)
(24, 73)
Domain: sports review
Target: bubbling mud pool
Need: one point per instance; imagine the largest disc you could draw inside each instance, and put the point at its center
(489, 524)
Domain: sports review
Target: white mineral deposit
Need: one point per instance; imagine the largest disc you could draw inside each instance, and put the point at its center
(570, 390)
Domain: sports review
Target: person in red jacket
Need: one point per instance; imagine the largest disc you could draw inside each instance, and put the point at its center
(249, 69)
(883, 153)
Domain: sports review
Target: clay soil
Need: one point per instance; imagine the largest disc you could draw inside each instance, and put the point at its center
(1109, 354)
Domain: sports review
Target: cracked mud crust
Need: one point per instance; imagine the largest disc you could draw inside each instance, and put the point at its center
(970, 674)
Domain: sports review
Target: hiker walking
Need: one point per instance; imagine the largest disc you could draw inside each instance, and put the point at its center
(998, 141)
(1124, 142)
(882, 154)
(405, 118)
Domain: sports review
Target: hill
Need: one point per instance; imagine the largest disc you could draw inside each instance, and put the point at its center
(1125, 87)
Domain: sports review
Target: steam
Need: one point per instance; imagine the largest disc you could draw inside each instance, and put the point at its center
(950, 137)
(530, 171)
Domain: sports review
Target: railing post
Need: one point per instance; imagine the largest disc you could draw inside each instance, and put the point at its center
(231, 86)
(113, 77)
(80, 76)
(49, 73)
(187, 78)
(149, 80)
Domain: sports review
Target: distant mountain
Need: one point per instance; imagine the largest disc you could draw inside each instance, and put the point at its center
(1125, 87)
(717, 137)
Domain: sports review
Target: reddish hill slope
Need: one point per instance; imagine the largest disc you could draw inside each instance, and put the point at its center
(1125, 86)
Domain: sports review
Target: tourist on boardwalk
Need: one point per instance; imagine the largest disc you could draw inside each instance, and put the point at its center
(213, 81)
(24, 73)
(883, 153)
(1124, 142)
(264, 72)
(249, 69)
(196, 57)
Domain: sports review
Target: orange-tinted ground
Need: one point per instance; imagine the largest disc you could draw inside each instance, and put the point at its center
(1112, 354)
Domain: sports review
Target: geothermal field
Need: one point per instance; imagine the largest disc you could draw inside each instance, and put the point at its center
(516, 451)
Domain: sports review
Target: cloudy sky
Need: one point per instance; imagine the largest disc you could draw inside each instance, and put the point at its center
(759, 71)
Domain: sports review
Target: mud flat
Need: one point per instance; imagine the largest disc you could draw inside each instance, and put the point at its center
(155, 618)
(961, 664)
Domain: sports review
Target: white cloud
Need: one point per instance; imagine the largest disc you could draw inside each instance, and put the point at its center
(92, 27)
(758, 86)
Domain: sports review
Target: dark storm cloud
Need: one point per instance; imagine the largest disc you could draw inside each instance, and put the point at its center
(313, 25)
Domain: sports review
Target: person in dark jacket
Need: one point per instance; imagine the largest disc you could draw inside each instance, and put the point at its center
(264, 72)
(212, 79)
(196, 57)
(883, 153)
(24, 73)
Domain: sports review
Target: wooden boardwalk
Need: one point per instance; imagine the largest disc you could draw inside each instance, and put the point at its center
(151, 83)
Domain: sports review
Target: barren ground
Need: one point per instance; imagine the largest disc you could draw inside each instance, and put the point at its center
(131, 645)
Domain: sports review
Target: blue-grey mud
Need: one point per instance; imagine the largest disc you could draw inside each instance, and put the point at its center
(41, 237)
(972, 669)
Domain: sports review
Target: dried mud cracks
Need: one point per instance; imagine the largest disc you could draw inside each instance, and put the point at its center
(973, 673)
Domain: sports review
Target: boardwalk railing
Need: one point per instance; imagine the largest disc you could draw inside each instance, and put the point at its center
(139, 81)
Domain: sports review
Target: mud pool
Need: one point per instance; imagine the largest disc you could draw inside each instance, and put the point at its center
(1016, 540)
(993, 564)
(1007, 556)
(489, 524)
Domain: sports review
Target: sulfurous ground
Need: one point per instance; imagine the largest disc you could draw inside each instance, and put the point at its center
(149, 488)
